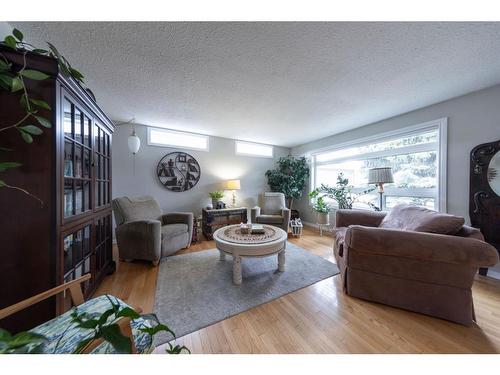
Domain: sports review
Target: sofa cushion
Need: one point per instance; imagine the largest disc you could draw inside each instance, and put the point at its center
(171, 230)
(421, 219)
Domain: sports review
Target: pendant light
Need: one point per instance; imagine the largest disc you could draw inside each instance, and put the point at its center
(134, 142)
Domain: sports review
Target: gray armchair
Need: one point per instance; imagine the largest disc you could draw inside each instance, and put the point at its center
(144, 232)
(271, 210)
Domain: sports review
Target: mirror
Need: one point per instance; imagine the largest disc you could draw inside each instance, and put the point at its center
(494, 173)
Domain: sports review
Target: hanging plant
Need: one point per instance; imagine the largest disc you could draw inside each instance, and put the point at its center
(13, 80)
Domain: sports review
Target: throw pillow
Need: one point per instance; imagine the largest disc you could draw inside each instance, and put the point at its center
(421, 219)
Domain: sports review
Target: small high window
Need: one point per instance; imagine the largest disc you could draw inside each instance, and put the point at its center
(176, 139)
(254, 149)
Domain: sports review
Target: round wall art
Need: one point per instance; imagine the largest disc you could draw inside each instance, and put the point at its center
(178, 171)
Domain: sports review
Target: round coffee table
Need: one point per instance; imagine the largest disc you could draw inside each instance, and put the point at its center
(230, 240)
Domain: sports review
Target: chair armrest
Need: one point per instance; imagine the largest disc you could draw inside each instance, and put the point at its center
(74, 287)
(139, 239)
(179, 218)
(139, 226)
(286, 213)
(345, 218)
(421, 246)
(254, 212)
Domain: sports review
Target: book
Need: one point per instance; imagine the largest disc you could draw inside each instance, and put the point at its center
(257, 229)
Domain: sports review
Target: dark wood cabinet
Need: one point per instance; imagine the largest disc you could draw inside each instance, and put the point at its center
(69, 168)
(484, 193)
(215, 219)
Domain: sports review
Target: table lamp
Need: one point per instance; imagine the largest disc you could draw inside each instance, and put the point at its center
(233, 185)
(379, 177)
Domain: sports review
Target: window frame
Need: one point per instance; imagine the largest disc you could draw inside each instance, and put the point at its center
(254, 155)
(169, 145)
(441, 125)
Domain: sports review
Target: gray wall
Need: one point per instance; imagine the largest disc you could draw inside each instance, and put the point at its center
(217, 165)
(5, 29)
(472, 119)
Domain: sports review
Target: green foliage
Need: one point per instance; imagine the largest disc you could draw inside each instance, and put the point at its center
(341, 193)
(289, 177)
(12, 79)
(319, 205)
(22, 343)
(101, 326)
(216, 194)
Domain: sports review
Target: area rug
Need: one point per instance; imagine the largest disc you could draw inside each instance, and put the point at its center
(196, 290)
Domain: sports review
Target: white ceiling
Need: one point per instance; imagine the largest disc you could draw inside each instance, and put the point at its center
(277, 83)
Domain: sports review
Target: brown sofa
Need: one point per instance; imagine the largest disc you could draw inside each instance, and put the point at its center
(428, 273)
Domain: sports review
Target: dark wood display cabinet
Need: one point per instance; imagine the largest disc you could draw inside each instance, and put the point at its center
(69, 168)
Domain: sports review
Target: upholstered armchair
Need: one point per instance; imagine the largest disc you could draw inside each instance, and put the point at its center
(416, 260)
(271, 210)
(144, 232)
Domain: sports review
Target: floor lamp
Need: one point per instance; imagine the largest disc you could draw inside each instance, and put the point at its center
(379, 177)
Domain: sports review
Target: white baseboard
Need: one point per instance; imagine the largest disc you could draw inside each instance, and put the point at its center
(494, 274)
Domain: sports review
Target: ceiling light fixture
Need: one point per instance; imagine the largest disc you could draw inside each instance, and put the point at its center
(134, 142)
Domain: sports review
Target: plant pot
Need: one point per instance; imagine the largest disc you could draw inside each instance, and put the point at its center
(322, 218)
(294, 214)
(214, 202)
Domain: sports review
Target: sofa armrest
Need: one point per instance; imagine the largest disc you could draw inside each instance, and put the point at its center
(139, 239)
(345, 218)
(254, 212)
(421, 246)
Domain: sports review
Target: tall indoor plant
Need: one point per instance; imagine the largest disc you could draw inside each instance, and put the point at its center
(289, 177)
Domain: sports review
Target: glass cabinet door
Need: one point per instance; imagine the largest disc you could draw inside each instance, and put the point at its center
(102, 161)
(103, 243)
(77, 171)
(77, 256)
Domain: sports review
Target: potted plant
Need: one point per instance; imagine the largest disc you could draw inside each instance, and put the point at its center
(216, 197)
(322, 210)
(289, 178)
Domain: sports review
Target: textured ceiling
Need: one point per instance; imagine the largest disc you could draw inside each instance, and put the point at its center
(277, 83)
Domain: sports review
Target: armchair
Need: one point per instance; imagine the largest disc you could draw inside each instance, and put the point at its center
(271, 210)
(143, 232)
(424, 272)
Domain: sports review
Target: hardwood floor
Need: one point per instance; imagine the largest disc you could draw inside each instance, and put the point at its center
(321, 318)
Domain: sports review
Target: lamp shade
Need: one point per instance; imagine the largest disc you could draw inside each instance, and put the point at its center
(380, 175)
(233, 185)
(134, 143)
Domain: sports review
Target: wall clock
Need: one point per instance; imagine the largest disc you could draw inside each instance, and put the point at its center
(178, 171)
